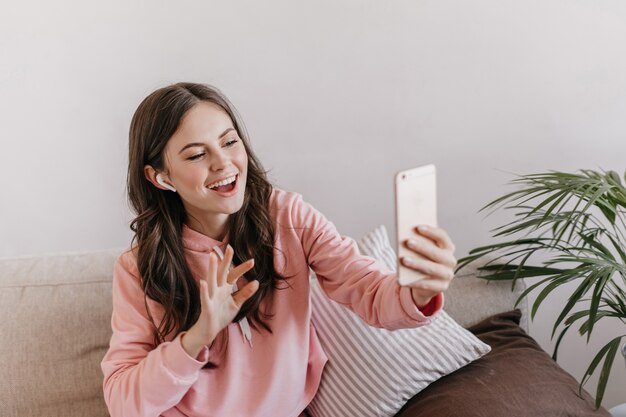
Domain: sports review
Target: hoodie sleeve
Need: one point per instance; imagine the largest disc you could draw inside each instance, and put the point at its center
(141, 379)
(359, 282)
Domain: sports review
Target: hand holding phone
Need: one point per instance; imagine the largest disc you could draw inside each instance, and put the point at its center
(416, 204)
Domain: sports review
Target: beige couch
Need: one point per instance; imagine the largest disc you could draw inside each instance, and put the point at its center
(56, 329)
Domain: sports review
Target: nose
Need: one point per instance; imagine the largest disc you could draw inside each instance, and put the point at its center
(220, 160)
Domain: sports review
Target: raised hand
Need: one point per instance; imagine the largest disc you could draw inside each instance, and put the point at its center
(437, 251)
(219, 305)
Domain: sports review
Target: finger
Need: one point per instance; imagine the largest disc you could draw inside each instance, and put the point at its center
(429, 268)
(430, 250)
(222, 272)
(437, 235)
(204, 295)
(430, 288)
(212, 278)
(239, 270)
(245, 293)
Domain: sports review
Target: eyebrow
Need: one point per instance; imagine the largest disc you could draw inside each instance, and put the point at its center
(191, 145)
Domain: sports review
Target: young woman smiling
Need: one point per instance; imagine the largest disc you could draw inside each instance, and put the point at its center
(211, 312)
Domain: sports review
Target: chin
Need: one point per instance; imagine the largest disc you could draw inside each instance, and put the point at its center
(234, 206)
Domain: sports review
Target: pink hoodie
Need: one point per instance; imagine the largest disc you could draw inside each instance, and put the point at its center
(279, 373)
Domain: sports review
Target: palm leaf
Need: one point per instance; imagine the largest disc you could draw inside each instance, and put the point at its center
(607, 352)
(558, 341)
(595, 301)
(554, 214)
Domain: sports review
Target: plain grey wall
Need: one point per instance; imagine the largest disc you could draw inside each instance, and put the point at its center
(337, 97)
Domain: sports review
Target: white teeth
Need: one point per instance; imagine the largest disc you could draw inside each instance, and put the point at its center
(226, 181)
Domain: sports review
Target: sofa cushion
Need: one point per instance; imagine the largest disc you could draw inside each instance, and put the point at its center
(57, 312)
(465, 299)
(372, 371)
(516, 379)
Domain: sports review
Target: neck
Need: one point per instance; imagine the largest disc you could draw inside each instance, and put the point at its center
(213, 225)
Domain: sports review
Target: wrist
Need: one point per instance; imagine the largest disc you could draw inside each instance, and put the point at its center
(420, 300)
(191, 344)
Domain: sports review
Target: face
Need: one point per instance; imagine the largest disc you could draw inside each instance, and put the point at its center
(201, 158)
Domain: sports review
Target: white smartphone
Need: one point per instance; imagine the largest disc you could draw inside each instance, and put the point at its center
(416, 204)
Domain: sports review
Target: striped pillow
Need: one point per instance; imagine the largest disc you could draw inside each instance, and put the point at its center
(372, 371)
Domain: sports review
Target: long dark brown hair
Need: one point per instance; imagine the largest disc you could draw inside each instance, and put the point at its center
(160, 215)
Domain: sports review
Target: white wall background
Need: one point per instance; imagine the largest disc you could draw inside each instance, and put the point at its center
(337, 96)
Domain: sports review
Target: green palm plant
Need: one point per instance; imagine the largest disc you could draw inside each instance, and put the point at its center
(576, 224)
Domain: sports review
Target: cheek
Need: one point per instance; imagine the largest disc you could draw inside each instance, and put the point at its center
(191, 177)
(242, 160)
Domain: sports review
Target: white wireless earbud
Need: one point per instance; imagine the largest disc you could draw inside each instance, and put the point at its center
(159, 179)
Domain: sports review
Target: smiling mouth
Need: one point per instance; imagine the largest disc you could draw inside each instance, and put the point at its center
(226, 188)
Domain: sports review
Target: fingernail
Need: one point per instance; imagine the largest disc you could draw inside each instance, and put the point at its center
(423, 228)
(412, 242)
(408, 261)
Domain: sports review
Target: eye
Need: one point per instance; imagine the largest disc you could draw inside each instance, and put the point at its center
(196, 156)
(231, 142)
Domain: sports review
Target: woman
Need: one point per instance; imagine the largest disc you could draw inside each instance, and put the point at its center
(193, 336)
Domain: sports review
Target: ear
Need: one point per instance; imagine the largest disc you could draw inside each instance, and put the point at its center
(151, 175)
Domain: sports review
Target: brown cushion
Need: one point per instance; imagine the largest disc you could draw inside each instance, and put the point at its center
(517, 378)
